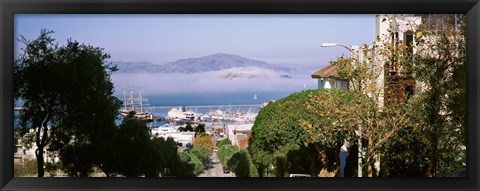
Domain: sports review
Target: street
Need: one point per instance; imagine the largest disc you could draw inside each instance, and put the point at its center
(215, 168)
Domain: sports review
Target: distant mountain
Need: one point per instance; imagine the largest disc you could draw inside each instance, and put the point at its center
(215, 62)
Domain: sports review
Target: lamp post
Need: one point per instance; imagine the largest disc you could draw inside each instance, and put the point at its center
(331, 44)
(360, 157)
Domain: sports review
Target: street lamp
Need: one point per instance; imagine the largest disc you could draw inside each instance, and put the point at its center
(360, 157)
(331, 44)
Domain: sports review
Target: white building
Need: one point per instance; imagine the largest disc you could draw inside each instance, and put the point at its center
(328, 78)
(238, 132)
(180, 137)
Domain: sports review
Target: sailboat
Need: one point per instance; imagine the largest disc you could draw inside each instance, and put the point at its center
(136, 103)
(255, 97)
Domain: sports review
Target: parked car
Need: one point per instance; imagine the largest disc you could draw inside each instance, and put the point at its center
(462, 172)
(299, 175)
(226, 170)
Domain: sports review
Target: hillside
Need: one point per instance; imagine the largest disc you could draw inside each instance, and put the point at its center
(215, 62)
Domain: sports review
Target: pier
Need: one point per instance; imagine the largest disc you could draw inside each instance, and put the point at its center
(188, 107)
(205, 106)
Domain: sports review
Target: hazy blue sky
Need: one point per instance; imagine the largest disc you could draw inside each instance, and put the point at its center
(277, 39)
(288, 40)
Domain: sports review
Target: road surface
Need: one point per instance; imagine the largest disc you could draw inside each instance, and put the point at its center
(215, 168)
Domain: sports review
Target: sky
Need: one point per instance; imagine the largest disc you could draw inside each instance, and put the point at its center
(290, 40)
(159, 39)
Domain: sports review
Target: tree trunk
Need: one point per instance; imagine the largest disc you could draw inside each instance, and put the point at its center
(369, 168)
(324, 163)
(433, 158)
(40, 162)
(313, 161)
(377, 165)
(370, 160)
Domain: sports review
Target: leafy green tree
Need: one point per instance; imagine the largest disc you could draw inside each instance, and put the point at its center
(225, 141)
(206, 141)
(241, 164)
(162, 156)
(133, 147)
(277, 132)
(338, 114)
(188, 165)
(201, 153)
(441, 102)
(68, 95)
(225, 151)
(405, 156)
(200, 128)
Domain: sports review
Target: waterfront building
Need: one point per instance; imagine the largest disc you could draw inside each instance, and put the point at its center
(183, 138)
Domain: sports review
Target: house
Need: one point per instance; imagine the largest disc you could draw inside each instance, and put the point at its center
(239, 134)
(384, 85)
(390, 31)
(329, 78)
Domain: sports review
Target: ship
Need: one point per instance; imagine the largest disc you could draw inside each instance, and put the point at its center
(135, 102)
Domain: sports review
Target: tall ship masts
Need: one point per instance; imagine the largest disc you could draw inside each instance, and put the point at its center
(135, 103)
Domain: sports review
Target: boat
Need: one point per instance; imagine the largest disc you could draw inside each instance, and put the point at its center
(136, 103)
(181, 114)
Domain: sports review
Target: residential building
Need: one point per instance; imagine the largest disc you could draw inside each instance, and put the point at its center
(329, 78)
(239, 134)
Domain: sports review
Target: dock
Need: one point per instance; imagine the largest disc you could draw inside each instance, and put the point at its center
(193, 107)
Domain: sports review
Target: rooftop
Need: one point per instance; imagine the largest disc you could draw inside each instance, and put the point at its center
(329, 71)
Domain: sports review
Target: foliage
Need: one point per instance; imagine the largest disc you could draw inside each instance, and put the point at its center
(28, 168)
(200, 128)
(206, 141)
(277, 130)
(68, 93)
(225, 141)
(187, 128)
(241, 164)
(441, 102)
(225, 151)
(405, 155)
(188, 165)
(132, 146)
(135, 153)
(418, 90)
(237, 160)
(201, 153)
(338, 114)
(162, 155)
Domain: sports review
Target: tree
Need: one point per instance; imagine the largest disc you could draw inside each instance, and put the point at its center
(338, 118)
(201, 153)
(236, 159)
(241, 164)
(382, 71)
(200, 128)
(206, 141)
(277, 133)
(188, 165)
(68, 95)
(161, 157)
(418, 89)
(225, 151)
(133, 148)
(441, 102)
